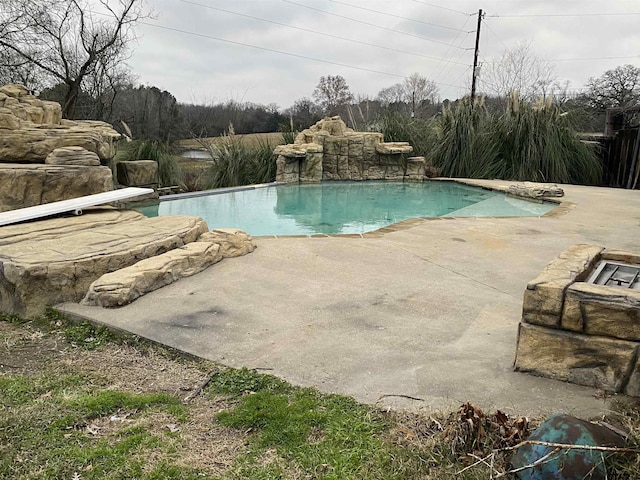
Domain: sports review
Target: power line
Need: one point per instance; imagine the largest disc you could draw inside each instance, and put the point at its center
(314, 31)
(442, 67)
(394, 16)
(272, 50)
(496, 15)
(366, 23)
(591, 58)
(445, 8)
(486, 24)
(578, 59)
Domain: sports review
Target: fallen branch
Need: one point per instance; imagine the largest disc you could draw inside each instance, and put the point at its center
(539, 461)
(200, 387)
(399, 395)
(568, 446)
(480, 460)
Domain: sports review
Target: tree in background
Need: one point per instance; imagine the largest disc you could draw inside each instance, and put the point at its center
(418, 90)
(303, 113)
(619, 87)
(518, 70)
(66, 42)
(332, 92)
(414, 93)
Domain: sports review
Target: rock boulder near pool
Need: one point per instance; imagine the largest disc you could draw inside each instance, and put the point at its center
(329, 150)
(51, 261)
(44, 158)
(125, 285)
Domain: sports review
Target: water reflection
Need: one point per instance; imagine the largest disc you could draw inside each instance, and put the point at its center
(335, 207)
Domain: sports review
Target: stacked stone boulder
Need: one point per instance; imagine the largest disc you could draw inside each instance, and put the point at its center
(329, 150)
(44, 158)
(580, 332)
(109, 257)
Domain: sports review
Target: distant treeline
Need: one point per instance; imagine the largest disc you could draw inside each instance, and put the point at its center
(154, 114)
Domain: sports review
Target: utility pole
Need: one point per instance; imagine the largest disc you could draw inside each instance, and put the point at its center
(474, 75)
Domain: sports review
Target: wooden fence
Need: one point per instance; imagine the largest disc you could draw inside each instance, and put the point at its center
(620, 158)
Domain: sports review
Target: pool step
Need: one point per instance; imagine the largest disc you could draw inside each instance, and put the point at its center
(125, 285)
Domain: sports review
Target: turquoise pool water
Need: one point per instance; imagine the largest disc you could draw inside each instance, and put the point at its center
(343, 207)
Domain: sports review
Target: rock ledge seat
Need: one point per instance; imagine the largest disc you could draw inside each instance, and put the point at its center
(56, 260)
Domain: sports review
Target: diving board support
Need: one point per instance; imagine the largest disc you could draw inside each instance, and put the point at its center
(73, 205)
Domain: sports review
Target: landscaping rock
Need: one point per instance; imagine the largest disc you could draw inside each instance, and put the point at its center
(33, 128)
(29, 185)
(601, 310)
(329, 150)
(533, 190)
(593, 361)
(544, 296)
(125, 285)
(56, 260)
(138, 173)
(72, 156)
(233, 242)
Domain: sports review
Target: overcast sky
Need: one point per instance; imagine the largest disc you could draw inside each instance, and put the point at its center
(194, 48)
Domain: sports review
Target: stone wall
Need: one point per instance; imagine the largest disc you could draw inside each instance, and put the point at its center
(44, 158)
(580, 332)
(329, 150)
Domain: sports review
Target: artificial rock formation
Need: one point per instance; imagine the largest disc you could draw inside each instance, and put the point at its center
(52, 261)
(44, 158)
(124, 286)
(32, 128)
(580, 332)
(72, 156)
(329, 150)
(29, 185)
(138, 173)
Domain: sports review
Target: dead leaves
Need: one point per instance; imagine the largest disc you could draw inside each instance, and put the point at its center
(470, 430)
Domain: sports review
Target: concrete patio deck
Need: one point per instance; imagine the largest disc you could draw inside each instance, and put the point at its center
(429, 311)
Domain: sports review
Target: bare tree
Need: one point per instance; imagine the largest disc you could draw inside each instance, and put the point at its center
(390, 95)
(331, 92)
(66, 41)
(518, 70)
(619, 87)
(418, 90)
(414, 91)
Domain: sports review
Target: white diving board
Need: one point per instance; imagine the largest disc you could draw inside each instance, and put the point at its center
(73, 205)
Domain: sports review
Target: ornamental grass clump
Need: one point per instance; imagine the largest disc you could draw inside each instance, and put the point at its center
(528, 142)
(538, 143)
(465, 143)
(397, 127)
(236, 163)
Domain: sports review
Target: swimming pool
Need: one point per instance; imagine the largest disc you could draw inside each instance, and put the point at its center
(343, 207)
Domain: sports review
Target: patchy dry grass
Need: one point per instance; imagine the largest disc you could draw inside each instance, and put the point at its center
(249, 139)
(78, 403)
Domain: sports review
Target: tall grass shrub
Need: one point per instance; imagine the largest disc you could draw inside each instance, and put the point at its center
(527, 142)
(236, 163)
(398, 127)
(538, 143)
(465, 144)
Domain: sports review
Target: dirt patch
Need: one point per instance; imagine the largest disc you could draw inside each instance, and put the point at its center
(23, 349)
(198, 442)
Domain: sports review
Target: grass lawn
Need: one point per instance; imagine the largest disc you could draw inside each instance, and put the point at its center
(79, 403)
